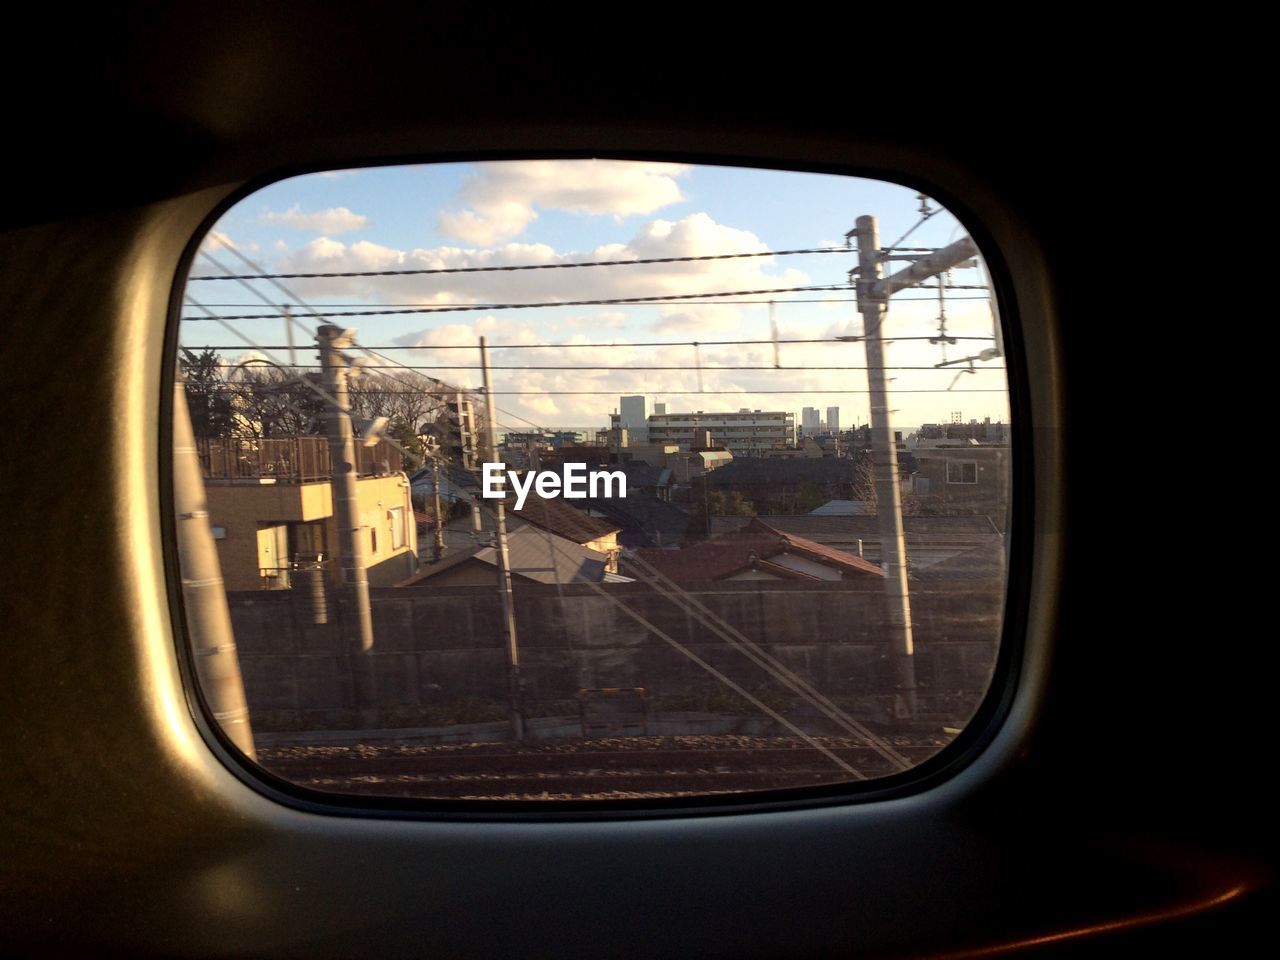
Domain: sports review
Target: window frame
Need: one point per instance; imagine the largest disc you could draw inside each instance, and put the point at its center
(966, 749)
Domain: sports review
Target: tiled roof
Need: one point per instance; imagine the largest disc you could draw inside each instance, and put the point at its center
(535, 554)
(985, 562)
(645, 520)
(867, 528)
(751, 546)
(561, 519)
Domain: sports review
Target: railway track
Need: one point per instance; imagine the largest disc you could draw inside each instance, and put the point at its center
(577, 769)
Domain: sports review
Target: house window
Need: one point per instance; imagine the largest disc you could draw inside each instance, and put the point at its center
(962, 471)
(397, 527)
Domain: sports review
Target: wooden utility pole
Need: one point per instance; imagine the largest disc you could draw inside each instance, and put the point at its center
(515, 692)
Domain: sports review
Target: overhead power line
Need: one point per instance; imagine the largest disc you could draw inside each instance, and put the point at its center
(519, 266)
(615, 301)
(708, 368)
(614, 346)
(819, 301)
(232, 387)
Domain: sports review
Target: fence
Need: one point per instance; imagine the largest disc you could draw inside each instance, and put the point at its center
(288, 459)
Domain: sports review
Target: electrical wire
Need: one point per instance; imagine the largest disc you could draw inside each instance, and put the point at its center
(615, 301)
(607, 368)
(606, 346)
(741, 391)
(520, 266)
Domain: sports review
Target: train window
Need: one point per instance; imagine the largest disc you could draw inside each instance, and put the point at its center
(692, 481)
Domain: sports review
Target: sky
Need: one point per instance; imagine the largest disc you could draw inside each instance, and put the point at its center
(564, 211)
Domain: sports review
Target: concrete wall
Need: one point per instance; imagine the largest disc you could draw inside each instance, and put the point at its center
(439, 654)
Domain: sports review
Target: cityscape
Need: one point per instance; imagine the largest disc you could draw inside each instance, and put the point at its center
(764, 568)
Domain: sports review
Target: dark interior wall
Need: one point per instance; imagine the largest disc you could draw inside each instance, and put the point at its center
(1134, 791)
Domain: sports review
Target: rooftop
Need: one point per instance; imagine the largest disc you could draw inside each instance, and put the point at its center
(752, 546)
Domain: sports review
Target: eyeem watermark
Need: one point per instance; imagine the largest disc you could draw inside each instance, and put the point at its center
(577, 483)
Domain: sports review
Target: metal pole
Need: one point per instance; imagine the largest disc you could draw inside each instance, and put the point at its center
(514, 691)
(435, 484)
(873, 304)
(204, 596)
(346, 502)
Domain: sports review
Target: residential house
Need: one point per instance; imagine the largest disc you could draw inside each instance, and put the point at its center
(271, 511)
(929, 540)
(534, 554)
(758, 551)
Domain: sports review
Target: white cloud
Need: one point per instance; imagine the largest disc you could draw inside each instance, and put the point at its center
(494, 222)
(692, 236)
(217, 240)
(334, 220)
(613, 370)
(501, 198)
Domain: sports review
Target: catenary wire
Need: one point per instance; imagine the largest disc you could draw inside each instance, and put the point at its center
(605, 346)
(519, 266)
(607, 368)
(614, 301)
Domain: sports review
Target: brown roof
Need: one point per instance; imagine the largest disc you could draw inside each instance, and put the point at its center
(560, 518)
(751, 546)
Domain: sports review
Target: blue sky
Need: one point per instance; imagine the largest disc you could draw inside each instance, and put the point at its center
(518, 212)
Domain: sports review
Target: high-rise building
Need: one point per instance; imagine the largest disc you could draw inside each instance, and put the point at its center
(833, 419)
(659, 409)
(809, 421)
(632, 418)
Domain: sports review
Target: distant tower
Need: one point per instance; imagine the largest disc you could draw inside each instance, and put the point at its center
(809, 421)
(659, 409)
(631, 410)
(833, 419)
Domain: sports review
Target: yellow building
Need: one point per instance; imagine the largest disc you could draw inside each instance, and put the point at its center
(272, 513)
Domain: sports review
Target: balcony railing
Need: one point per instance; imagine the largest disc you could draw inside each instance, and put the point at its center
(286, 460)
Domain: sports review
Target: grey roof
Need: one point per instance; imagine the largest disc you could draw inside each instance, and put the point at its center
(844, 508)
(535, 553)
(983, 562)
(646, 521)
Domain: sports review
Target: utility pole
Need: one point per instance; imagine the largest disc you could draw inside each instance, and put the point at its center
(514, 692)
(873, 303)
(435, 485)
(358, 623)
(204, 596)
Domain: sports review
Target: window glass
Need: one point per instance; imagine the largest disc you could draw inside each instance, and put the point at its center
(692, 480)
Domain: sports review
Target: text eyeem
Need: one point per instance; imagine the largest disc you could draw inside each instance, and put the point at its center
(576, 484)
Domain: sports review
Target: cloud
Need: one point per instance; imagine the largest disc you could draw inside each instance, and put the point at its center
(217, 240)
(494, 222)
(334, 220)
(693, 236)
(501, 198)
